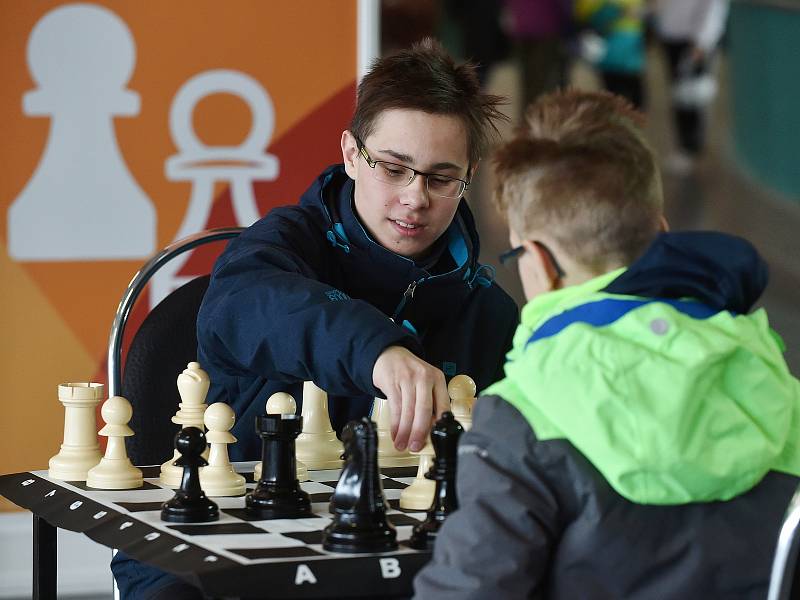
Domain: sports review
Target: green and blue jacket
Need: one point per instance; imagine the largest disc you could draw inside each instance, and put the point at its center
(643, 443)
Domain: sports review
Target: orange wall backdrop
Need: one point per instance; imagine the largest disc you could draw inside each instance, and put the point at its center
(86, 100)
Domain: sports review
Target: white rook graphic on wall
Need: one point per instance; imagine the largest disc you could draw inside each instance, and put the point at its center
(204, 165)
(81, 203)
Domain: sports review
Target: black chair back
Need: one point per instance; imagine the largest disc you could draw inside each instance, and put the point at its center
(163, 345)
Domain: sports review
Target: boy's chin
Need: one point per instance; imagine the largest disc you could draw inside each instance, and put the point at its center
(411, 249)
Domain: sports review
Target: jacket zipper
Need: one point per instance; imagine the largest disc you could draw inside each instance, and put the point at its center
(407, 296)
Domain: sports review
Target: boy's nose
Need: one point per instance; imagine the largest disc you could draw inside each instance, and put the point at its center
(415, 194)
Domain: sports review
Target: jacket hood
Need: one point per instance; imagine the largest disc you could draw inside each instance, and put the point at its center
(434, 294)
(721, 271)
(656, 374)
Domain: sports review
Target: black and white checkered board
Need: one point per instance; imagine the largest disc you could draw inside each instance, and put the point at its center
(236, 555)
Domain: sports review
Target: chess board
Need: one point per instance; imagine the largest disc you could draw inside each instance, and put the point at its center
(236, 555)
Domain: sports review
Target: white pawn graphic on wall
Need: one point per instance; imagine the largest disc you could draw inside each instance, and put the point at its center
(82, 202)
(203, 165)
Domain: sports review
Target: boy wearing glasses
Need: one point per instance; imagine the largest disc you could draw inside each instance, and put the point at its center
(371, 285)
(643, 443)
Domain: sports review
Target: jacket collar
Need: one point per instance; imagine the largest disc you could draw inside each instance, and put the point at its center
(389, 273)
(719, 270)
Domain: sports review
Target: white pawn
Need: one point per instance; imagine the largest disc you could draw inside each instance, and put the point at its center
(219, 478)
(317, 447)
(115, 471)
(419, 495)
(193, 385)
(281, 403)
(462, 390)
(388, 455)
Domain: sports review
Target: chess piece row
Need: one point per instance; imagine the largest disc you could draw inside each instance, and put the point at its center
(204, 470)
(277, 494)
(317, 446)
(360, 526)
(79, 458)
(358, 504)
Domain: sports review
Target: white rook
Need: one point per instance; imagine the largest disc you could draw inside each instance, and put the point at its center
(80, 450)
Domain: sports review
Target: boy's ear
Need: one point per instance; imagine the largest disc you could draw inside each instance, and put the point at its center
(472, 170)
(664, 224)
(349, 153)
(543, 269)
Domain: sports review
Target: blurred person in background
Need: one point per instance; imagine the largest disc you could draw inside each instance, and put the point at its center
(539, 29)
(481, 40)
(613, 43)
(689, 31)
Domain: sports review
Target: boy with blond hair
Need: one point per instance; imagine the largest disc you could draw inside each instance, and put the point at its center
(643, 443)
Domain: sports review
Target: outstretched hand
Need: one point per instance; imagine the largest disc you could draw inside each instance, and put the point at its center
(415, 390)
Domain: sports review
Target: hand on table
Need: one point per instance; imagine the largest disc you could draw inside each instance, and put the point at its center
(415, 390)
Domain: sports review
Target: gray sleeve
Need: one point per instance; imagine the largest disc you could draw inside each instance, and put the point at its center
(499, 542)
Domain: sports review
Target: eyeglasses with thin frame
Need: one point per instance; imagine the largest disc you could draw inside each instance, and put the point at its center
(402, 176)
(506, 257)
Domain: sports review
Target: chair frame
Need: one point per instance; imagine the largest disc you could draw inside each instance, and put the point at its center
(136, 286)
(785, 561)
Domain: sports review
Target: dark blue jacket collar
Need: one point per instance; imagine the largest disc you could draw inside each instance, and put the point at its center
(333, 192)
(332, 195)
(720, 270)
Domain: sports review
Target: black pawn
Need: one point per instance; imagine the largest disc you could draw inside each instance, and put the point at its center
(277, 494)
(444, 437)
(190, 504)
(358, 504)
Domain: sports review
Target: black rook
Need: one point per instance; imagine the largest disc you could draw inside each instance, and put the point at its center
(278, 494)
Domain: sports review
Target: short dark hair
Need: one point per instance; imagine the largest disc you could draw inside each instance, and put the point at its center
(581, 169)
(425, 78)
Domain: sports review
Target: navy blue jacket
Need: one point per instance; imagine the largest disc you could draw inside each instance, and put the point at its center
(306, 294)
